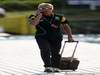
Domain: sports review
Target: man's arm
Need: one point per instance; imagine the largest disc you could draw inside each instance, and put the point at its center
(36, 20)
(67, 29)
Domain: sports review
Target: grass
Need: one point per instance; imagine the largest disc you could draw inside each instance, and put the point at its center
(67, 12)
(21, 13)
(78, 12)
(78, 25)
(17, 23)
(29, 1)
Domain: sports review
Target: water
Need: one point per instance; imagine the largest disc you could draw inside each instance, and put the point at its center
(20, 55)
(91, 38)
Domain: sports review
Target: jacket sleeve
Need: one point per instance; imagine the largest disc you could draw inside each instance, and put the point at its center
(64, 20)
(30, 18)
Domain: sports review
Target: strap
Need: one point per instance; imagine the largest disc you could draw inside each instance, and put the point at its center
(73, 51)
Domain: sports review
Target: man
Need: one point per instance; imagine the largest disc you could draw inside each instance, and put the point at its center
(49, 35)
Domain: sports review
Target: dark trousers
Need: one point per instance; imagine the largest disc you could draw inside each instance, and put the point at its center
(49, 50)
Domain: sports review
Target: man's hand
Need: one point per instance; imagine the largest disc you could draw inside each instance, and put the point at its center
(39, 13)
(70, 39)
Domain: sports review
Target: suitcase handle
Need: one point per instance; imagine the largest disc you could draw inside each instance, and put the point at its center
(71, 41)
(72, 57)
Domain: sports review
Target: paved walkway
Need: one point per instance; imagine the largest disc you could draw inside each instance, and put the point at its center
(22, 57)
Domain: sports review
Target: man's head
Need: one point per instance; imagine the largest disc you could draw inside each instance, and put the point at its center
(46, 8)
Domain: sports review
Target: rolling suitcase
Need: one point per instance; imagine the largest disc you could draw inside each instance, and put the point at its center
(69, 63)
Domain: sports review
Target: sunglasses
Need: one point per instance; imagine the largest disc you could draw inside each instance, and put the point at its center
(46, 8)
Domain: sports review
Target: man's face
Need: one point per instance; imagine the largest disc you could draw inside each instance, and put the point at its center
(46, 10)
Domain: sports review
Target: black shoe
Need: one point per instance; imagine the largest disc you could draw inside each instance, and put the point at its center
(48, 69)
(56, 70)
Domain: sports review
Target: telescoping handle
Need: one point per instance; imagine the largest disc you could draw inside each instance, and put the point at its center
(73, 51)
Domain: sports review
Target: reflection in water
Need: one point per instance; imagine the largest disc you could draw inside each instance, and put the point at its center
(91, 38)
